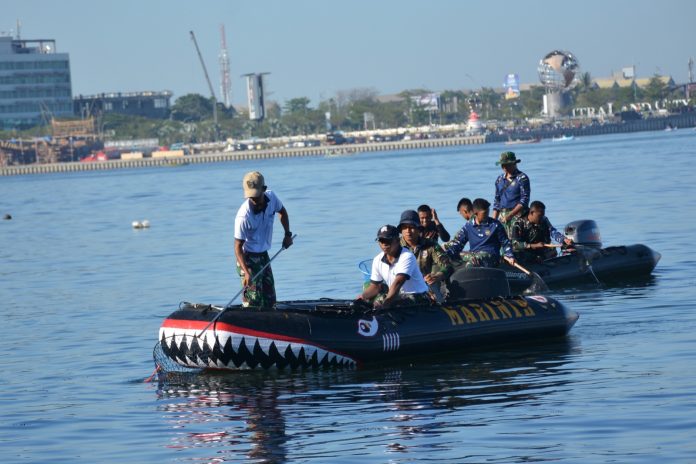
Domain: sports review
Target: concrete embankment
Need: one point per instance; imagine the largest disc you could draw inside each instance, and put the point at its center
(241, 155)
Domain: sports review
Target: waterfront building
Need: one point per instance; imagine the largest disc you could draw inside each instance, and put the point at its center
(34, 82)
(619, 80)
(146, 104)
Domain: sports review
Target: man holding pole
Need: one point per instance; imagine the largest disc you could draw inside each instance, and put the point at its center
(531, 236)
(253, 232)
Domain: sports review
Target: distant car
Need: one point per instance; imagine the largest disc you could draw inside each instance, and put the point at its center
(335, 138)
(237, 147)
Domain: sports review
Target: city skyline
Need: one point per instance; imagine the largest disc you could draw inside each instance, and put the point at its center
(314, 49)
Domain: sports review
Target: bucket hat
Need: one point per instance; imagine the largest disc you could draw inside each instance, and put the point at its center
(507, 157)
(410, 218)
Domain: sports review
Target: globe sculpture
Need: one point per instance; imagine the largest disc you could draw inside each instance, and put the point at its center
(557, 72)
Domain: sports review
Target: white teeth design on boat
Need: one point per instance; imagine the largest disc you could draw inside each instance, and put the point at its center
(265, 345)
(236, 342)
(187, 340)
(295, 348)
(281, 347)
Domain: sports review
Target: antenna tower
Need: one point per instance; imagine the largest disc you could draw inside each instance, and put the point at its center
(225, 81)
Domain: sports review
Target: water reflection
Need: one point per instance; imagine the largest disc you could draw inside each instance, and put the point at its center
(263, 416)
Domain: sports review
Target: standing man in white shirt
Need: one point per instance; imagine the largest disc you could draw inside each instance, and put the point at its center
(253, 232)
(397, 268)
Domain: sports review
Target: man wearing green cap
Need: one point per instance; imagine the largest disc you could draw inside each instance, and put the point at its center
(511, 192)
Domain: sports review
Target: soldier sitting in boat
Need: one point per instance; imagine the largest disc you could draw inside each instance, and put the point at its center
(432, 227)
(397, 268)
(532, 234)
(485, 235)
(465, 208)
(432, 260)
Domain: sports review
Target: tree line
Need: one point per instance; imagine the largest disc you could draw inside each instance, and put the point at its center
(191, 116)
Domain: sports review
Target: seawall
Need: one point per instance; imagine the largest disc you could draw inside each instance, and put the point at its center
(327, 151)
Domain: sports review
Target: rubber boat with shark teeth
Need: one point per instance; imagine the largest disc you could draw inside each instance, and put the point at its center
(328, 333)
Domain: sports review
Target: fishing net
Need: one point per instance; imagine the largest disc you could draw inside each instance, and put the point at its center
(537, 286)
(182, 355)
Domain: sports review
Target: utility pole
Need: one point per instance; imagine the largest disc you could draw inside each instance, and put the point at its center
(210, 86)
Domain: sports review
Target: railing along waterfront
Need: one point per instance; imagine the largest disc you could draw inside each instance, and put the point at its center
(218, 157)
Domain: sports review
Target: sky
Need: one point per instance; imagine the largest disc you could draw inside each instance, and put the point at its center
(315, 48)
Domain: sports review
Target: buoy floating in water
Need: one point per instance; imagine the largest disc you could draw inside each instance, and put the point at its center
(144, 224)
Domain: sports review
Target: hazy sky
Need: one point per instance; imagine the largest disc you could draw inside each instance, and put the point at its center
(314, 48)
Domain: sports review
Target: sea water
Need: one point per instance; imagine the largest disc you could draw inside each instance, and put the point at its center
(83, 295)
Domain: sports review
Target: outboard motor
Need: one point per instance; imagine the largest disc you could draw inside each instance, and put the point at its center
(478, 282)
(584, 232)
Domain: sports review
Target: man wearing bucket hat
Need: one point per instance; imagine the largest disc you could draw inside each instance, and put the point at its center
(396, 267)
(432, 260)
(253, 232)
(511, 192)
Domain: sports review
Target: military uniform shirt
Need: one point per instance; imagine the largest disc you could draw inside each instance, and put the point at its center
(509, 193)
(489, 236)
(524, 232)
(430, 256)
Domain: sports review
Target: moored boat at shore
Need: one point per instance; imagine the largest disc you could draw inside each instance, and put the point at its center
(523, 141)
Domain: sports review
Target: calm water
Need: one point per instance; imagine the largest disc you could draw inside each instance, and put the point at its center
(83, 295)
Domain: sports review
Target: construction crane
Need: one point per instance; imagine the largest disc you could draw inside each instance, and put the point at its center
(210, 86)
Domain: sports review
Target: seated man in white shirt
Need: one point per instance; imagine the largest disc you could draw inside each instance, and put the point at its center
(396, 267)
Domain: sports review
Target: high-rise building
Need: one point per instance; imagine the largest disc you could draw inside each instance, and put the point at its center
(34, 82)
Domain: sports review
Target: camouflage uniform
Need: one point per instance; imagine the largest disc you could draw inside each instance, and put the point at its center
(471, 259)
(525, 232)
(508, 194)
(260, 292)
(487, 240)
(431, 259)
(502, 217)
(406, 299)
(430, 256)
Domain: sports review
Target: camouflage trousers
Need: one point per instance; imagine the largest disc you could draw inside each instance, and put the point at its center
(529, 257)
(406, 299)
(260, 292)
(478, 259)
(503, 213)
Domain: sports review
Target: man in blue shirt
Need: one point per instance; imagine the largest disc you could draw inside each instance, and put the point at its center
(485, 235)
(511, 192)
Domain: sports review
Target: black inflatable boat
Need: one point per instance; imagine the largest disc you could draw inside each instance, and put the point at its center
(330, 333)
(588, 262)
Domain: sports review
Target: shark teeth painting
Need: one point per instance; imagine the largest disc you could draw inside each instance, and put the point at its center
(228, 350)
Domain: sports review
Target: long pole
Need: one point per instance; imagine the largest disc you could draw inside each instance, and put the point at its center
(210, 86)
(253, 278)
